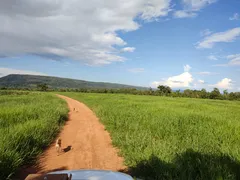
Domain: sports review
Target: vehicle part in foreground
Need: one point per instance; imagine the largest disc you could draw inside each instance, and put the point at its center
(80, 174)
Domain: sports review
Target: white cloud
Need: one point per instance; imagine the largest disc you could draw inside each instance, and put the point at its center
(206, 73)
(152, 8)
(197, 5)
(232, 56)
(220, 65)
(227, 36)
(234, 60)
(186, 80)
(7, 71)
(190, 7)
(234, 17)
(187, 68)
(184, 14)
(225, 83)
(205, 32)
(136, 70)
(212, 57)
(128, 49)
(80, 30)
(183, 80)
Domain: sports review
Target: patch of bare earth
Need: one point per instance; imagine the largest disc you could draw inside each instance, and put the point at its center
(85, 144)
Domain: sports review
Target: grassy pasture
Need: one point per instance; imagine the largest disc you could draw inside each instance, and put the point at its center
(171, 138)
(28, 123)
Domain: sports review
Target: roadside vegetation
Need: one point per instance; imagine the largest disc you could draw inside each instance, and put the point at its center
(171, 138)
(160, 91)
(164, 91)
(28, 123)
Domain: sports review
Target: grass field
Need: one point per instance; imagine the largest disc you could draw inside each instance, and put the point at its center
(28, 123)
(171, 138)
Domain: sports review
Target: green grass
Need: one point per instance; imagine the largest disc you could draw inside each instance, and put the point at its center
(28, 123)
(171, 138)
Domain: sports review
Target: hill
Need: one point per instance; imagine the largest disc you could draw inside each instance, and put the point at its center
(31, 81)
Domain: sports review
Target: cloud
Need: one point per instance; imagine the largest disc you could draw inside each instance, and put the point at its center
(136, 70)
(186, 80)
(212, 57)
(232, 56)
(227, 36)
(225, 83)
(80, 30)
(201, 81)
(7, 71)
(128, 49)
(235, 17)
(187, 68)
(234, 60)
(184, 14)
(191, 7)
(206, 73)
(183, 80)
(205, 32)
(180, 81)
(197, 5)
(220, 65)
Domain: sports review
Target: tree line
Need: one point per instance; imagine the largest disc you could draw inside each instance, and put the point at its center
(160, 91)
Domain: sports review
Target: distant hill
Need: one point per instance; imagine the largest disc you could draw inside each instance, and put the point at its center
(31, 81)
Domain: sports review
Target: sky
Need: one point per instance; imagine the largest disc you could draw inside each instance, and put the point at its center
(179, 43)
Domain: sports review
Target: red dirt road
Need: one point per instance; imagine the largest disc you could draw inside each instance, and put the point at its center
(87, 145)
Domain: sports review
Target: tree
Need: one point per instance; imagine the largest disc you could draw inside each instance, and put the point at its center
(215, 94)
(164, 90)
(150, 91)
(42, 87)
(225, 94)
(234, 96)
(204, 93)
(187, 93)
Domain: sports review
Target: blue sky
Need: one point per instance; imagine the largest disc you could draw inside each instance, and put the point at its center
(183, 44)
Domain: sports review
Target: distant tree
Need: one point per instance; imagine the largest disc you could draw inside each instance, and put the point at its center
(164, 90)
(225, 92)
(105, 91)
(203, 93)
(150, 91)
(234, 96)
(215, 94)
(168, 90)
(161, 89)
(178, 91)
(42, 87)
(111, 91)
(187, 93)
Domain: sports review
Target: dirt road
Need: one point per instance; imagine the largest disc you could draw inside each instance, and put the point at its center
(85, 142)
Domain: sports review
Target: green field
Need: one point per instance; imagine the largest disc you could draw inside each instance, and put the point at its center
(159, 137)
(28, 123)
(171, 138)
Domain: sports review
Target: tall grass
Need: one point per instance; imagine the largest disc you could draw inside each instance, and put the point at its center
(171, 138)
(28, 123)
